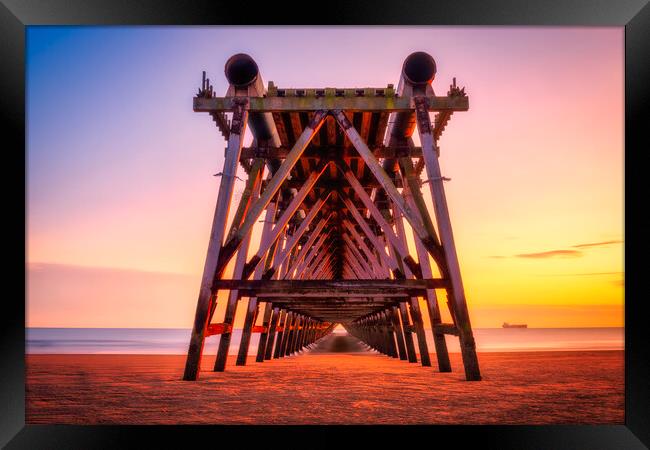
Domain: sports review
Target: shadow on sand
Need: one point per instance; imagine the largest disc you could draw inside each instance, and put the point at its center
(339, 343)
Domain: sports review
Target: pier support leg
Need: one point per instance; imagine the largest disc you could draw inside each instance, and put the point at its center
(432, 165)
(249, 322)
(392, 348)
(282, 323)
(261, 347)
(442, 355)
(290, 323)
(408, 335)
(251, 312)
(398, 332)
(416, 315)
(251, 193)
(271, 339)
(231, 308)
(206, 295)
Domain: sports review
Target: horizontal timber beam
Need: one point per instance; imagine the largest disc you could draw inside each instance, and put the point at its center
(218, 328)
(334, 302)
(322, 285)
(316, 152)
(265, 294)
(289, 104)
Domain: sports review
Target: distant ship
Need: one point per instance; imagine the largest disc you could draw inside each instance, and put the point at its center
(514, 325)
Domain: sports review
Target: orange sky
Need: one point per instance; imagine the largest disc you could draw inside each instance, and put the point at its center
(120, 198)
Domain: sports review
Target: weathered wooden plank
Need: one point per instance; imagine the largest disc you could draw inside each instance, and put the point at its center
(218, 328)
(446, 328)
(289, 104)
(296, 126)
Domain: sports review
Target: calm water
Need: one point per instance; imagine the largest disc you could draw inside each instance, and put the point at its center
(175, 341)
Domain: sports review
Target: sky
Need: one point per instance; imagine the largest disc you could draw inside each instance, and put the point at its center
(121, 192)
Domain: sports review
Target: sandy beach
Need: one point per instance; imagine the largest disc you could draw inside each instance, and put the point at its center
(336, 383)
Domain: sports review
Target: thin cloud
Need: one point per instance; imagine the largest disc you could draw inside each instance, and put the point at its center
(552, 254)
(585, 274)
(597, 244)
(560, 253)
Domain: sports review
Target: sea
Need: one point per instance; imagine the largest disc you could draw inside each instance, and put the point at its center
(175, 340)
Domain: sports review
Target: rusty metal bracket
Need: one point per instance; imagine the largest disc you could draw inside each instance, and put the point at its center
(221, 174)
(317, 118)
(454, 91)
(422, 114)
(342, 118)
(237, 122)
(436, 179)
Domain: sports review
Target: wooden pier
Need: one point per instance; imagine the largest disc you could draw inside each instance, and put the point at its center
(334, 174)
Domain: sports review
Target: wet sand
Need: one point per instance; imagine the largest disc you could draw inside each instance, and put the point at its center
(338, 382)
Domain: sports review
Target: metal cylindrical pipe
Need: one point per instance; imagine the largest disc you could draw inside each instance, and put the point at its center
(241, 70)
(243, 73)
(418, 71)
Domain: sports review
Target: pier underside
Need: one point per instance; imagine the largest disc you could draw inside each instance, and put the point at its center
(336, 179)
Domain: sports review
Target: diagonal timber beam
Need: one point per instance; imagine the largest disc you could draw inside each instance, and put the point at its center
(254, 178)
(382, 263)
(360, 258)
(439, 341)
(293, 240)
(307, 250)
(386, 182)
(411, 182)
(286, 216)
(416, 313)
(376, 214)
(319, 268)
(272, 188)
(442, 354)
(360, 266)
(314, 258)
(233, 296)
(372, 258)
(355, 269)
(388, 259)
(252, 309)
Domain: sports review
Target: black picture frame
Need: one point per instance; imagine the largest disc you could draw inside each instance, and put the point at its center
(634, 15)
